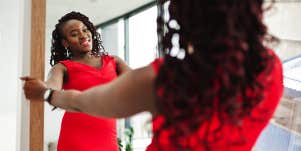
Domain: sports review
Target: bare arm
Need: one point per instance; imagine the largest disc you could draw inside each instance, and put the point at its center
(122, 67)
(35, 88)
(55, 77)
(131, 93)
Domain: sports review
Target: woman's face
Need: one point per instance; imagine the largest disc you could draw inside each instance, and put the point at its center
(78, 38)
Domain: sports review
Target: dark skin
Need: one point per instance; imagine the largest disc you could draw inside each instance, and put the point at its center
(131, 93)
(78, 39)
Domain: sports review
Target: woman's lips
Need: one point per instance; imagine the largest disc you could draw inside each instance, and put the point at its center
(85, 43)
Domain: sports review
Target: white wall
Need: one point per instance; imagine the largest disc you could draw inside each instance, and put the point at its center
(284, 22)
(9, 67)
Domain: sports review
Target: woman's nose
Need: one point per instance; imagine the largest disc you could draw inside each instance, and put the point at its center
(83, 35)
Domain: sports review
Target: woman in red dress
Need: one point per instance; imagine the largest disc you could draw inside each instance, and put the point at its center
(80, 62)
(216, 88)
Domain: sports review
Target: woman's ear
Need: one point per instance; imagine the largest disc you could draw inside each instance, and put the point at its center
(65, 43)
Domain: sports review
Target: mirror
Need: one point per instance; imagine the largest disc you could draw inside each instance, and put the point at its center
(122, 26)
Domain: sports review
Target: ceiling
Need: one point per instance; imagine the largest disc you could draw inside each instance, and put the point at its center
(99, 11)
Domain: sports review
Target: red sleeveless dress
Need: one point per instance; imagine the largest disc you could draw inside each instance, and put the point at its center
(79, 131)
(250, 128)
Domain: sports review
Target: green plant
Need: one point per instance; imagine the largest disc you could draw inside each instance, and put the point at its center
(128, 140)
(120, 146)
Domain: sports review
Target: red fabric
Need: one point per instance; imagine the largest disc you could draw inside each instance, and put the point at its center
(82, 132)
(251, 128)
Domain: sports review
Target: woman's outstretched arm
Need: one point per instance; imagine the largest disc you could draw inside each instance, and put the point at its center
(130, 93)
(35, 88)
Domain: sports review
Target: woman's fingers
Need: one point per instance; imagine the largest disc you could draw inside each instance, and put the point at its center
(26, 78)
(33, 88)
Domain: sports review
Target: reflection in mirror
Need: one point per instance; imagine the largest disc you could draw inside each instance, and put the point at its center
(121, 33)
(100, 13)
(140, 50)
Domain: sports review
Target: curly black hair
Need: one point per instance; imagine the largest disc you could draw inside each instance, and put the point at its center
(214, 54)
(59, 52)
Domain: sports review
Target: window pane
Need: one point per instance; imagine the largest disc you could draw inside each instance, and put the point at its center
(142, 51)
(113, 38)
(143, 38)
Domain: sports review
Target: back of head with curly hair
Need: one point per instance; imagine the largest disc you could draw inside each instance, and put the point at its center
(214, 54)
(58, 52)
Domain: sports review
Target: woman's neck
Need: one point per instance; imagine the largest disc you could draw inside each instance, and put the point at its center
(81, 56)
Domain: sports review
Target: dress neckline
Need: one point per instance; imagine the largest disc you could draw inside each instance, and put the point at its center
(83, 64)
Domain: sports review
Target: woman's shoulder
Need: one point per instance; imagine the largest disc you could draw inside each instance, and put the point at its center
(114, 57)
(156, 64)
(60, 65)
(273, 85)
(63, 63)
(108, 58)
(277, 64)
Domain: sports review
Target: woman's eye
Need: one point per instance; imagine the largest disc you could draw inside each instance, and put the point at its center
(74, 34)
(85, 30)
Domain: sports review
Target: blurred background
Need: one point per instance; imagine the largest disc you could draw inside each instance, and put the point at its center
(128, 29)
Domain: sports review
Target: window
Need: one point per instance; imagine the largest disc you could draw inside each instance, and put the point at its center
(113, 38)
(142, 51)
(134, 39)
(143, 38)
(283, 132)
